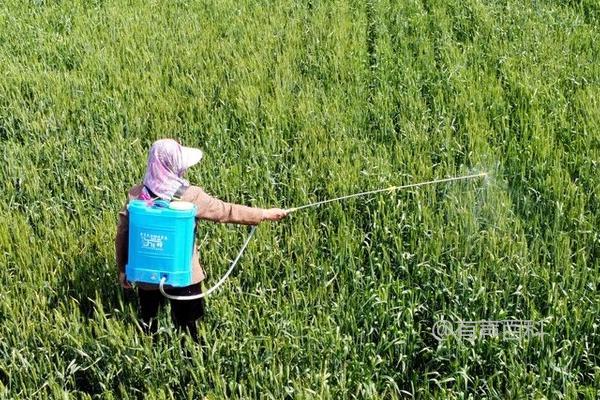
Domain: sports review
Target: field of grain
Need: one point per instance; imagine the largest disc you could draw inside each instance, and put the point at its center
(294, 102)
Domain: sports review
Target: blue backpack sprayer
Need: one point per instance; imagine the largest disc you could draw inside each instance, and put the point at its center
(161, 239)
(161, 244)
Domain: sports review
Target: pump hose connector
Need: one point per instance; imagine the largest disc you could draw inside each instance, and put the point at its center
(216, 286)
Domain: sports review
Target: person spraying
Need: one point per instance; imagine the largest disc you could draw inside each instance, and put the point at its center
(167, 163)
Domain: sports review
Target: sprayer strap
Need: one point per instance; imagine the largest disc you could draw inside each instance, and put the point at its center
(176, 196)
(179, 193)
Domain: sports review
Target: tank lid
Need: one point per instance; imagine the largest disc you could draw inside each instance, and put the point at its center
(181, 205)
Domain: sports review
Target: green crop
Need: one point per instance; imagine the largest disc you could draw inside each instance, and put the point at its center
(294, 102)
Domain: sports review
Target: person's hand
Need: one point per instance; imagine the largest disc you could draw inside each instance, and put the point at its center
(274, 214)
(123, 281)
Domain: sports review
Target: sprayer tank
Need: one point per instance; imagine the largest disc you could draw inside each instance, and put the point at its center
(161, 242)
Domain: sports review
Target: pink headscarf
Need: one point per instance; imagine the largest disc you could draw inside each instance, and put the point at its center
(167, 161)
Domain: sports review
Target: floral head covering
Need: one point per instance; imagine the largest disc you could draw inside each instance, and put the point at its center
(167, 161)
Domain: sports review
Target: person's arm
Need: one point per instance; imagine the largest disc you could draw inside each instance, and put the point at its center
(121, 245)
(212, 209)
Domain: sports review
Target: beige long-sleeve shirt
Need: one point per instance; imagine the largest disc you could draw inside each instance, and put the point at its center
(209, 208)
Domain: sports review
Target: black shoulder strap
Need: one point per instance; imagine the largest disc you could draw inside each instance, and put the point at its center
(151, 193)
(179, 193)
(176, 196)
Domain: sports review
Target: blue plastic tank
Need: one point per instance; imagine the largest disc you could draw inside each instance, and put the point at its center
(161, 242)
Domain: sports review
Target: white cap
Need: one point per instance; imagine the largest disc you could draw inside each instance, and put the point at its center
(190, 156)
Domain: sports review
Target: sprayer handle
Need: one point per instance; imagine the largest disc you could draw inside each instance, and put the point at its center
(160, 204)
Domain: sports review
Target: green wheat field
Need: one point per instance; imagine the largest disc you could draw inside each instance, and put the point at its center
(295, 102)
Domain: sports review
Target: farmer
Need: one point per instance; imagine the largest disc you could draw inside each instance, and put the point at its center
(167, 163)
